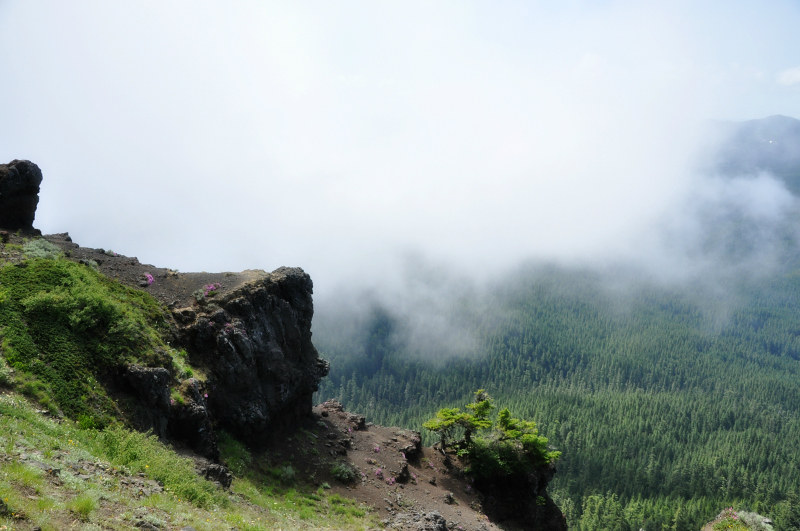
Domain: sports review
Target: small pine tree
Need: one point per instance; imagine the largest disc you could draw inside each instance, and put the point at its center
(510, 445)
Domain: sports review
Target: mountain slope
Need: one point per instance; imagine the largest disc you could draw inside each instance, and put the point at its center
(769, 144)
(670, 399)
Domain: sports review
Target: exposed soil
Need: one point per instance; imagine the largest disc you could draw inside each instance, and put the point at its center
(407, 484)
(168, 286)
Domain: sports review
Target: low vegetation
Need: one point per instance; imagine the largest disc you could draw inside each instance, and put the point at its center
(503, 447)
(55, 472)
(65, 327)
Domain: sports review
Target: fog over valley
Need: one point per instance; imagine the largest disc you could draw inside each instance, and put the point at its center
(402, 152)
(539, 234)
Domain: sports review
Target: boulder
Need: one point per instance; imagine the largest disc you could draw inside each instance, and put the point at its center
(19, 194)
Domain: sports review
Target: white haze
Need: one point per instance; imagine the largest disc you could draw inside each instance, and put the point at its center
(346, 137)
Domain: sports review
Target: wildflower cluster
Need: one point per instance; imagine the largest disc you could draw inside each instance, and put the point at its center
(728, 519)
(206, 291)
(209, 289)
(379, 473)
(148, 278)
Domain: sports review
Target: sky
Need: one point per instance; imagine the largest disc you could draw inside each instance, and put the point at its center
(356, 139)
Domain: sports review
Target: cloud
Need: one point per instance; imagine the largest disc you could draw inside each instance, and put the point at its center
(345, 137)
(789, 77)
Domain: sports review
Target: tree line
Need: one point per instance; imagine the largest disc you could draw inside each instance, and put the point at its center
(667, 404)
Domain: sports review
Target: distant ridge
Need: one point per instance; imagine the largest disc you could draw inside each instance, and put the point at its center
(770, 144)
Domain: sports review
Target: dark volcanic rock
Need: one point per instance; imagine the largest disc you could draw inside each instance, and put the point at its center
(151, 387)
(191, 422)
(153, 409)
(218, 473)
(255, 345)
(19, 194)
(522, 500)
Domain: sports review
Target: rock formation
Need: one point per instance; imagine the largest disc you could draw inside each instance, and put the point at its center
(255, 346)
(522, 500)
(19, 194)
(250, 339)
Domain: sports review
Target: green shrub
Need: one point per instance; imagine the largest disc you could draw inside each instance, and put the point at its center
(344, 472)
(508, 446)
(41, 248)
(65, 325)
(285, 474)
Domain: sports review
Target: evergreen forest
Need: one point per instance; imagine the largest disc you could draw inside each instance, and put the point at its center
(667, 404)
(672, 390)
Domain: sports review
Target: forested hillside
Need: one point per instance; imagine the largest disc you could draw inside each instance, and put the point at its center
(667, 405)
(670, 380)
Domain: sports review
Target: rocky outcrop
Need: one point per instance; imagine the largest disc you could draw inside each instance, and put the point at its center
(19, 194)
(254, 345)
(522, 500)
(248, 340)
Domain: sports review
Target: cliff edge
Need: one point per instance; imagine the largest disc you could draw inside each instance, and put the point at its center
(219, 352)
(247, 337)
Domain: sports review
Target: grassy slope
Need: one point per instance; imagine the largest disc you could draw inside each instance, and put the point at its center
(73, 464)
(55, 475)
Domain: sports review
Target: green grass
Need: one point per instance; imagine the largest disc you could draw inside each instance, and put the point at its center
(256, 501)
(142, 453)
(235, 454)
(82, 505)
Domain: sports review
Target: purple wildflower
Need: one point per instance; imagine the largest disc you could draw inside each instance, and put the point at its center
(210, 288)
(149, 278)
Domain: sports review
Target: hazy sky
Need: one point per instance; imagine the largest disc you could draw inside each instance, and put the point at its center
(344, 136)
